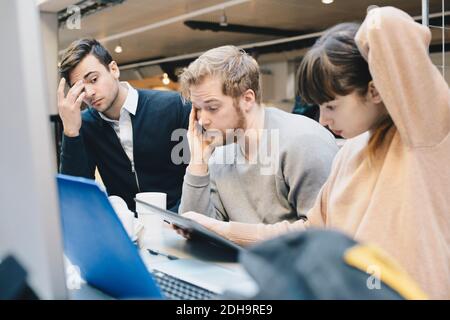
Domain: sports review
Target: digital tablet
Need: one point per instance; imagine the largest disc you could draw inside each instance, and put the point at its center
(195, 229)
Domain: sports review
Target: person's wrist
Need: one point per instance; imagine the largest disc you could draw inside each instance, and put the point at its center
(198, 169)
(220, 227)
(71, 133)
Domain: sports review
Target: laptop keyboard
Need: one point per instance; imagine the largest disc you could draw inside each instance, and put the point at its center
(177, 289)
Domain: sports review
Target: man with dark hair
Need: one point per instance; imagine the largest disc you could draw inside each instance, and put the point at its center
(124, 132)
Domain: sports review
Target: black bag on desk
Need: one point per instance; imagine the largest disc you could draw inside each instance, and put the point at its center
(320, 264)
(13, 282)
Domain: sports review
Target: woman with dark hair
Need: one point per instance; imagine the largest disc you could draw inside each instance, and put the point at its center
(390, 182)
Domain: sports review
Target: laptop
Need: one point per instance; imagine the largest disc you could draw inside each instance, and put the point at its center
(96, 242)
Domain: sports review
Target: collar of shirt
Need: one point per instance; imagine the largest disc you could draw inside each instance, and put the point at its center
(130, 104)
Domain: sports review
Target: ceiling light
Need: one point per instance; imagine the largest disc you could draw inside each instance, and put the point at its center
(165, 79)
(118, 49)
(327, 1)
(223, 20)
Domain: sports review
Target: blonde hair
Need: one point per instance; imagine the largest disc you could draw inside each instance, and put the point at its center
(237, 70)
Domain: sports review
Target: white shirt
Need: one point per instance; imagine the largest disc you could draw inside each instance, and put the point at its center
(123, 126)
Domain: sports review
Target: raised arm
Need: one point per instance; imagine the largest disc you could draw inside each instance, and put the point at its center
(199, 191)
(413, 90)
(74, 157)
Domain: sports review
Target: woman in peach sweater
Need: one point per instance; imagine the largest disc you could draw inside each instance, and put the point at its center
(390, 182)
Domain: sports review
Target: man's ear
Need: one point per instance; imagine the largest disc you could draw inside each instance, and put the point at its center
(114, 69)
(373, 94)
(249, 99)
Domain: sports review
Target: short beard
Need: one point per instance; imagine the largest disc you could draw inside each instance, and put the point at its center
(232, 135)
(241, 120)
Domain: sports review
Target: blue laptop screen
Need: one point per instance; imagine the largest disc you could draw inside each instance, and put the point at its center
(96, 242)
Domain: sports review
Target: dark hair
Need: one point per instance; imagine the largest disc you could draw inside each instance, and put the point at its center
(77, 51)
(335, 66)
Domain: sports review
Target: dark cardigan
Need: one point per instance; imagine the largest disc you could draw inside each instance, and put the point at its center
(158, 114)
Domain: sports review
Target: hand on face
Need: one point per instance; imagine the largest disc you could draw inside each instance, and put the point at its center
(201, 144)
(69, 107)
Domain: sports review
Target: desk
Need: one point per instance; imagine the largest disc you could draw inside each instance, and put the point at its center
(162, 238)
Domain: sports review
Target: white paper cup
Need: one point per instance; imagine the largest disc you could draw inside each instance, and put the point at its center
(151, 221)
(158, 199)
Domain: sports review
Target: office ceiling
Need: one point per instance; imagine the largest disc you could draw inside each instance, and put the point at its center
(167, 38)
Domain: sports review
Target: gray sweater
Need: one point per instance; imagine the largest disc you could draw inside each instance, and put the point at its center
(301, 151)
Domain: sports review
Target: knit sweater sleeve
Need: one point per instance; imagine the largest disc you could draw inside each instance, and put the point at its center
(412, 88)
(200, 194)
(247, 234)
